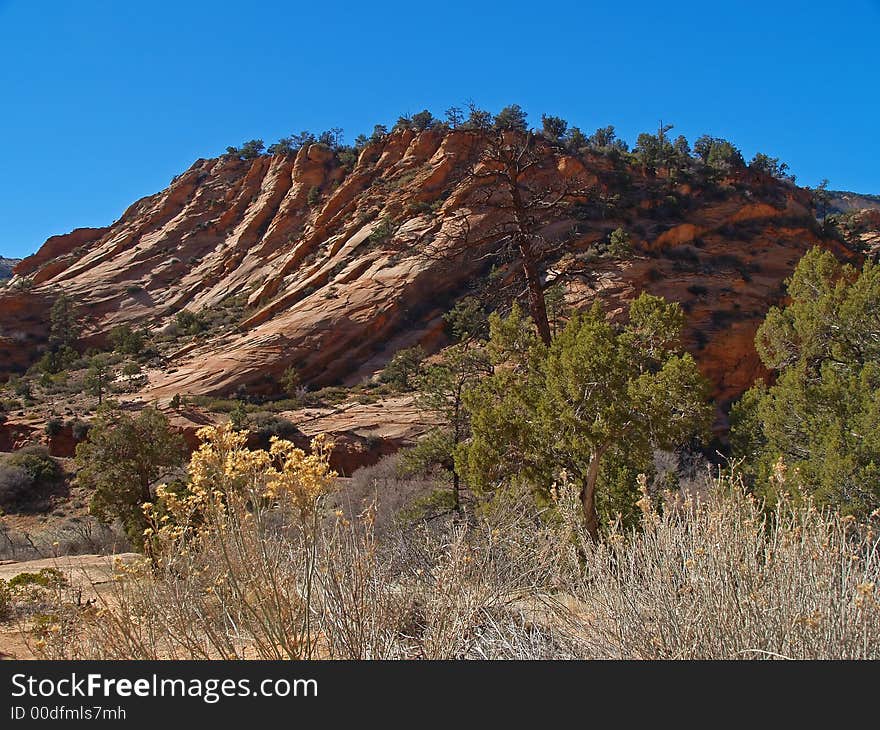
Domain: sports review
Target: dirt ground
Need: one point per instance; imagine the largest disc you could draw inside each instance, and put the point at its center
(90, 573)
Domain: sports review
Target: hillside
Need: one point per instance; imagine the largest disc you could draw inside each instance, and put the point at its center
(6, 266)
(322, 269)
(843, 201)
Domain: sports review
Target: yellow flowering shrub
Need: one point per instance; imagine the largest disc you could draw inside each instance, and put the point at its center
(223, 468)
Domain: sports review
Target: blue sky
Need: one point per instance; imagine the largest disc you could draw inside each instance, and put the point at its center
(104, 102)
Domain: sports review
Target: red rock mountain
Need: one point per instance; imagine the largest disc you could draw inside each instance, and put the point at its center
(329, 262)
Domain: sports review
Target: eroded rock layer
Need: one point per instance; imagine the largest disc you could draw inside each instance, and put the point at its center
(331, 261)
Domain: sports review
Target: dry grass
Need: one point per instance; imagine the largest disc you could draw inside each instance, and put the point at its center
(711, 579)
(73, 535)
(723, 580)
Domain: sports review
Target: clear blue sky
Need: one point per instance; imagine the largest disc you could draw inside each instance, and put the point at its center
(104, 102)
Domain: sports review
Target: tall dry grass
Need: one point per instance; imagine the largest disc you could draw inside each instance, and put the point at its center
(722, 579)
(717, 578)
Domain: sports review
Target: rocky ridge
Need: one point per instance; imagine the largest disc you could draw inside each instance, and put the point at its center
(328, 263)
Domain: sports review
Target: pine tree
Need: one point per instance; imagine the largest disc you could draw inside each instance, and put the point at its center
(816, 430)
(597, 391)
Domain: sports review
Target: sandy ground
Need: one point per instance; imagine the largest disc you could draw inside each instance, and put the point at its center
(88, 572)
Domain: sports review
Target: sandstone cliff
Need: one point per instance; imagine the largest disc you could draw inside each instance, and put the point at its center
(327, 264)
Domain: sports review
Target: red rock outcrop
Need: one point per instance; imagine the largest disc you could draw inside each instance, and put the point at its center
(331, 261)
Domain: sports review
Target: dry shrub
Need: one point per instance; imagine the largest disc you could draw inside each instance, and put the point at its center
(73, 536)
(723, 579)
(384, 491)
(711, 578)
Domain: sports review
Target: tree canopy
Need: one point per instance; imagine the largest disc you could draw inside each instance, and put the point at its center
(816, 430)
(248, 151)
(511, 118)
(598, 391)
(122, 459)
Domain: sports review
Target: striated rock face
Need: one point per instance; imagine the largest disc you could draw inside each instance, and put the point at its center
(331, 261)
(23, 327)
(865, 231)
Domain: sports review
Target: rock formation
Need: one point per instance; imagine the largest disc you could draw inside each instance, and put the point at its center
(328, 264)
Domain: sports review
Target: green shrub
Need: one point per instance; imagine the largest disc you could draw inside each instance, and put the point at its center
(238, 416)
(264, 425)
(427, 507)
(619, 244)
(290, 382)
(55, 361)
(403, 367)
(125, 340)
(53, 427)
(15, 485)
(419, 207)
(331, 395)
(45, 578)
(123, 458)
(37, 461)
(28, 476)
(189, 323)
(80, 430)
(382, 232)
(5, 600)
(19, 386)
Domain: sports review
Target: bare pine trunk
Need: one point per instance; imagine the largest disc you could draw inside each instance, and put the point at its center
(537, 305)
(588, 499)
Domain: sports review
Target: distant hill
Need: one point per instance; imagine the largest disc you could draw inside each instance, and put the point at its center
(6, 267)
(843, 201)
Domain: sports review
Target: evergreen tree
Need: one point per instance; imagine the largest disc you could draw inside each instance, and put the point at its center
(553, 128)
(511, 118)
(121, 460)
(816, 430)
(598, 391)
(423, 120)
(467, 320)
(64, 326)
(454, 117)
(98, 376)
(126, 341)
(403, 367)
(478, 118)
(440, 389)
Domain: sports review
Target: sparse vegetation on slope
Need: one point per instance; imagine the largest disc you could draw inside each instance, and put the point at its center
(531, 511)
